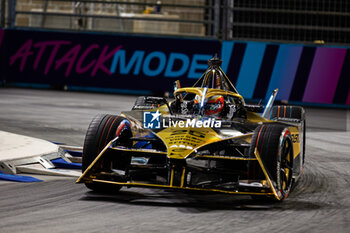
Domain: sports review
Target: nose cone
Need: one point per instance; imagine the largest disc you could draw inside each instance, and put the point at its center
(182, 141)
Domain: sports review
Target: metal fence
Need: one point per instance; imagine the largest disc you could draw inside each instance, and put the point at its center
(194, 17)
(305, 21)
(2, 13)
(321, 21)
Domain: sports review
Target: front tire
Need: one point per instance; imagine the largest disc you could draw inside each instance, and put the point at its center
(101, 131)
(275, 147)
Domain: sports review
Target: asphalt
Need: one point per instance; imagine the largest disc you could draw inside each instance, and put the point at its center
(320, 202)
(56, 115)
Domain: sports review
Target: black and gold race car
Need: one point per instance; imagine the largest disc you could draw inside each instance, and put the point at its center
(206, 139)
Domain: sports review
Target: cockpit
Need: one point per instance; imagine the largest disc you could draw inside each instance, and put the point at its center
(213, 95)
(207, 102)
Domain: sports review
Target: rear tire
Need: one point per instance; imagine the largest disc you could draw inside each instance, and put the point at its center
(275, 147)
(101, 131)
(291, 112)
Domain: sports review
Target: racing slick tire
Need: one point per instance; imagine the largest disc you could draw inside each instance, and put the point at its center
(274, 144)
(101, 131)
(291, 112)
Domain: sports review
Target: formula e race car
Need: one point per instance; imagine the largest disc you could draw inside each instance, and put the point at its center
(206, 139)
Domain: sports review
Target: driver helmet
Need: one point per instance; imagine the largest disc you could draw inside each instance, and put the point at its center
(214, 106)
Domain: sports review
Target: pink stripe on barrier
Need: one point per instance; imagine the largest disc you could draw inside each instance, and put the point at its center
(324, 75)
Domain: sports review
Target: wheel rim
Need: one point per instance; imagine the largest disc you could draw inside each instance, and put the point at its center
(286, 167)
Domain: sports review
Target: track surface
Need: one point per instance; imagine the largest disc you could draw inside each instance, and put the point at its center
(319, 203)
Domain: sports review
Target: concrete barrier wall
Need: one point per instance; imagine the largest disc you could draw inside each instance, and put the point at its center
(307, 74)
(304, 74)
(328, 119)
(104, 60)
(348, 121)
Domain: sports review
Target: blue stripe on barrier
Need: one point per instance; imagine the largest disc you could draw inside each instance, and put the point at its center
(226, 52)
(18, 178)
(61, 163)
(249, 72)
(284, 71)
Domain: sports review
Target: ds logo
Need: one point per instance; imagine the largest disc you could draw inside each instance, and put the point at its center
(151, 120)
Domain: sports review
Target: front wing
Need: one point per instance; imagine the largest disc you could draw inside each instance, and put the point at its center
(174, 174)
